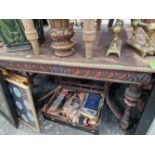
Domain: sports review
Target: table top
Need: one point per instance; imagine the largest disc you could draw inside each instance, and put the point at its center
(130, 59)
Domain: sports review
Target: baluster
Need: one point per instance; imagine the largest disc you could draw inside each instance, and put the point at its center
(89, 36)
(31, 34)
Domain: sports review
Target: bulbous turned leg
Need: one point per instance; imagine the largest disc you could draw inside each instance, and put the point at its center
(31, 34)
(98, 27)
(89, 36)
(132, 95)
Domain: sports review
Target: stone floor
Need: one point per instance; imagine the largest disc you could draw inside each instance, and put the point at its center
(109, 126)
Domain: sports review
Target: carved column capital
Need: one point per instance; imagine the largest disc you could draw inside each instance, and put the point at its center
(61, 33)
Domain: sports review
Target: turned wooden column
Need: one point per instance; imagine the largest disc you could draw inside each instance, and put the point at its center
(110, 23)
(132, 95)
(99, 22)
(89, 36)
(31, 34)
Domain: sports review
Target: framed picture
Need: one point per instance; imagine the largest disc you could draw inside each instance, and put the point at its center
(24, 104)
(7, 109)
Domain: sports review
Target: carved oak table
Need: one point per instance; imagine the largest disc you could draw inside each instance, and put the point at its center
(130, 68)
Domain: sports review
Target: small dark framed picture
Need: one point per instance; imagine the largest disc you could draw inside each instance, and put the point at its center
(24, 104)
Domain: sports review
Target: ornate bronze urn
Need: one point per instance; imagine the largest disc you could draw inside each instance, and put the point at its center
(61, 33)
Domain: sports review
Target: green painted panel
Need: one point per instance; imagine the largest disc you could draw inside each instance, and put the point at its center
(13, 37)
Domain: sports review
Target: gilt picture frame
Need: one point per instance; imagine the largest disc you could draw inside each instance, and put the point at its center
(6, 107)
(24, 104)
